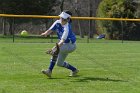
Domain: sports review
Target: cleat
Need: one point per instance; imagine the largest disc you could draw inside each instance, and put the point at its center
(47, 72)
(74, 73)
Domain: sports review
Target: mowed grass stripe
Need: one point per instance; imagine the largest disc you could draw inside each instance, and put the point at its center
(120, 51)
(19, 58)
(97, 64)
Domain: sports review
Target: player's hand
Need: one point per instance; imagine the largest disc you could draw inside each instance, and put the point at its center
(54, 48)
(54, 51)
(43, 34)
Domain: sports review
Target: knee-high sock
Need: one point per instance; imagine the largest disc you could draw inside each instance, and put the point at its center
(52, 63)
(68, 66)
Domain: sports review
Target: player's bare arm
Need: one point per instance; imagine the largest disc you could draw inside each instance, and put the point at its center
(46, 33)
(60, 43)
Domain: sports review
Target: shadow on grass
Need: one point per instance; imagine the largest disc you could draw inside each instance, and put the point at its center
(88, 79)
(55, 78)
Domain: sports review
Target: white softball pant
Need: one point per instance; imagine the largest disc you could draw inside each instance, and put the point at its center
(65, 49)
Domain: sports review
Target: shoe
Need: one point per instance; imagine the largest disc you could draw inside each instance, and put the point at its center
(47, 72)
(74, 73)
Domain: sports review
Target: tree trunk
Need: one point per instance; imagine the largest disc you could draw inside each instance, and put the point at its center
(79, 25)
(10, 28)
(93, 5)
(94, 15)
(3, 26)
(90, 34)
(62, 5)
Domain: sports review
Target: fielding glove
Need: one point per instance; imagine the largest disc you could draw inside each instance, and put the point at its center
(54, 51)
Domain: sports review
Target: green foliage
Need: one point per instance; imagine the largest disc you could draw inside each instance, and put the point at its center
(27, 6)
(119, 9)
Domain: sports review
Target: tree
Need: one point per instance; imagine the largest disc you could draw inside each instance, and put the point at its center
(93, 6)
(27, 6)
(82, 8)
(77, 8)
(62, 5)
(31, 7)
(119, 9)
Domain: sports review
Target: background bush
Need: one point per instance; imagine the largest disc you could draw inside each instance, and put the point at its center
(119, 9)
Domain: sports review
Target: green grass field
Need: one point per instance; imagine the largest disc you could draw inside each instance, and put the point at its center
(104, 68)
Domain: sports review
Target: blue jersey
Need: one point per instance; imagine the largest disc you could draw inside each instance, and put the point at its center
(63, 31)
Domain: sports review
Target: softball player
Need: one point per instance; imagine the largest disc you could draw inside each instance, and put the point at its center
(66, 43)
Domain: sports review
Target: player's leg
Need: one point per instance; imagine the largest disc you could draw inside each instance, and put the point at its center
(61, 63)
(52, 62)
(67, 48)
(48, 72)
(64, 50)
